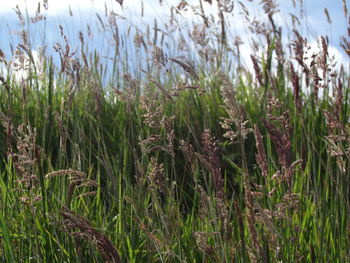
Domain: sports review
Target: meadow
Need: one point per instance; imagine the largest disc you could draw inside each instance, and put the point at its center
(176, 150)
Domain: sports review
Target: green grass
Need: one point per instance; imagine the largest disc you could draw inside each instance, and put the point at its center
(161, 200)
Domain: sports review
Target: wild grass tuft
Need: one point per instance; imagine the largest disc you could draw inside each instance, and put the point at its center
(174, 149)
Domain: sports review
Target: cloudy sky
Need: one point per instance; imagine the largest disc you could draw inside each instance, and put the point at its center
(84, 12)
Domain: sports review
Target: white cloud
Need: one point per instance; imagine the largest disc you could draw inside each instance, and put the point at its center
(335, 56)
(58, 7)
(61, 7)
(20, 70)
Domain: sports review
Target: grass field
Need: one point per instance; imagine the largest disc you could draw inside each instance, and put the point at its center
(193, 157)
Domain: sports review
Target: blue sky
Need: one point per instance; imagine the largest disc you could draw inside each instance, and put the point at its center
(84, 12)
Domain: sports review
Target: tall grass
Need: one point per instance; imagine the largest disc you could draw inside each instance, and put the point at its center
(176, 160)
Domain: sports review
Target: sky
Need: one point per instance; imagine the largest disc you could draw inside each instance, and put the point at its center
(74, 15)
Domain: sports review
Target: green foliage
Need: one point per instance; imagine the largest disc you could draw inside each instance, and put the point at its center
(167, 169)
